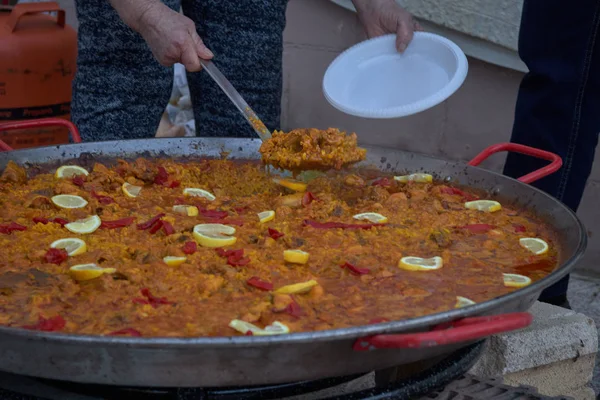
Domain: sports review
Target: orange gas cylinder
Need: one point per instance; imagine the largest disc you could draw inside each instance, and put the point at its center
(38, 56)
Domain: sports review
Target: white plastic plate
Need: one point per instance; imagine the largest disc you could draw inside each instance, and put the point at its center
(373, 80)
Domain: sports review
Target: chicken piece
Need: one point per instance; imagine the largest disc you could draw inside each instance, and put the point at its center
(143, 170)
(354, 180)
(13, 173)
(65, 187)
(378, 194)
(37, 201)
(441, 237)
(281, 301)
(210, 284)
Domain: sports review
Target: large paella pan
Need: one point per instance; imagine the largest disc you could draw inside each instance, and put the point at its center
(355, 268)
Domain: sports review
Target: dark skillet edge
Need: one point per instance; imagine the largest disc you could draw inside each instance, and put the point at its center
(72, 151)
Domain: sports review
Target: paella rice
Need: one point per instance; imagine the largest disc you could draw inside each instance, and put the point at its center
(222, 247)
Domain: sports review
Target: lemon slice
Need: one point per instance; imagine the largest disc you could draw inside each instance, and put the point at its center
(291, 184)
(371, 217)
(276, 328)
(131, 190)
(86, 225)
(173, 261)
(535, 245)
(190, 211)
(214, 235)
(86, 272)
(295, 256)
(194, 192)
(516, 281)
(420, 264)
(266, 216)
(483, 205)
(69, 201)
(297, 288)
(463, 302)
(421, 178)
(69, 171)
(73, 246)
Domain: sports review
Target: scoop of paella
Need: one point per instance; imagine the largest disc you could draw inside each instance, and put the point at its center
(312, 149)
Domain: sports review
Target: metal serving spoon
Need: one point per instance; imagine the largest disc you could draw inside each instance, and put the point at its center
(236, 98)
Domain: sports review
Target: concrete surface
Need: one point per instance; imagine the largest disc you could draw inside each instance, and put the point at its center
(584, 290)
(556, 354)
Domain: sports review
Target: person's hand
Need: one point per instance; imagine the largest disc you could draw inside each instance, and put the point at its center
(381, 17)
(172, 37)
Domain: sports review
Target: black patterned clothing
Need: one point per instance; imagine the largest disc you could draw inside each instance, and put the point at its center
(120, 91)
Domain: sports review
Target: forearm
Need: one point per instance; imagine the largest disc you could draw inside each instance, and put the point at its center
(132, 12)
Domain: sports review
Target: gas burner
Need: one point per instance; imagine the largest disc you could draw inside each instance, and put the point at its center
(380, 385)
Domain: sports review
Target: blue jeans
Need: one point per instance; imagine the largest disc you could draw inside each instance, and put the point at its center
(558, 106)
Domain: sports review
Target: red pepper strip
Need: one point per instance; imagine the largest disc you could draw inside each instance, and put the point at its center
(249, 333)
(162, 177)
(119, 223)
(213, 213)
(237, 262)
(78, 180)
(308, 198)
(7, 229)
(458, 192)
(148, 224)
(126, 331)
(258, 283)
(167, 228)
(519, 228)
(190, 247)
(235, 258)
(106, 200)
(150, 299)
(60, 221)
(56, 256)
(156, 227)
(385, 182)
(275, 234)
(354, 269)
(41, 220)
(477, 228)
(378, 320)
(240, 210)
(227, 253)
(337, 225)
(294, 309)
(48, 325)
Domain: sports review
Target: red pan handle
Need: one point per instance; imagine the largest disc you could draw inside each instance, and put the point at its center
(556, 161)
(463, 330)
(39, 123)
